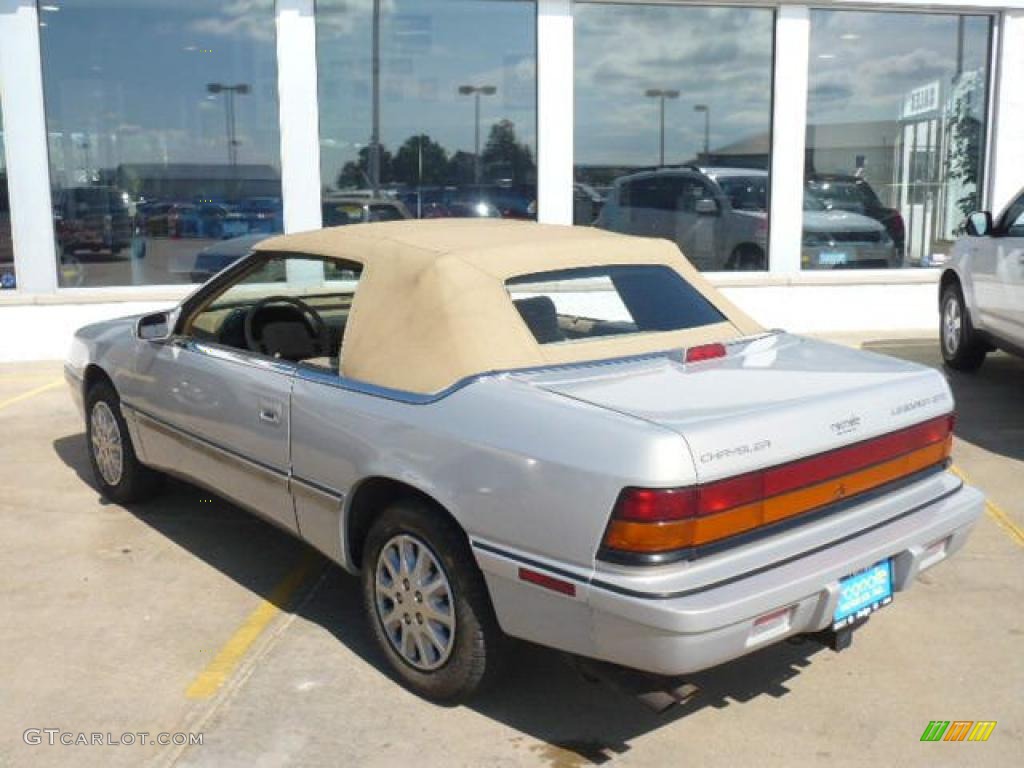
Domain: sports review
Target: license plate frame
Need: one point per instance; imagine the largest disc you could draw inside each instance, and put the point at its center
(862, 593)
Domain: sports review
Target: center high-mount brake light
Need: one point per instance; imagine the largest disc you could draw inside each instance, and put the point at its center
(705, 352)
(653, 521)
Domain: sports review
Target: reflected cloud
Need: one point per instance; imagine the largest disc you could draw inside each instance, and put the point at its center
(716, 56)
(249, 19)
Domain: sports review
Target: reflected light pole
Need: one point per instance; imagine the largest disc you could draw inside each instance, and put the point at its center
(661, 94)
(373, 160)
(476, 91)
(707, 130)
(229, 92)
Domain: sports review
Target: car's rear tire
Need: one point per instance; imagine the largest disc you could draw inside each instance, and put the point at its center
(427, 603)
(121, 477)
(962, 348)
(747, 257)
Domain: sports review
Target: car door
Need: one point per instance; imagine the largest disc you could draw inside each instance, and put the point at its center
(1009, 268)
(694, 232)
(213, 410)
(331, 418)
(649, 207)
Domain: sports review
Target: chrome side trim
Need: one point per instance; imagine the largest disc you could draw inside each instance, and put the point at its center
(178, 432)
(167, 427)
(233, 355)
(320, 376)
(315, 488)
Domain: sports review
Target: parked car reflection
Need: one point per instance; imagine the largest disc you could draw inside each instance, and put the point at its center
(201, 266)
(836, 239)
(587, 203)
(479, 209)
(339, 210)
(263, 214)
(91, 219)
(854, 194)
(719, 218)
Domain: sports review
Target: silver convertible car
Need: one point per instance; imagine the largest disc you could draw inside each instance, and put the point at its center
(551, 433)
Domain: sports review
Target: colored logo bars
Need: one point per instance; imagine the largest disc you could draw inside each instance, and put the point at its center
(958, 730)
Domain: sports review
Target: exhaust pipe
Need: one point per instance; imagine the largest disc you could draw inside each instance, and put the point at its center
(656, 692)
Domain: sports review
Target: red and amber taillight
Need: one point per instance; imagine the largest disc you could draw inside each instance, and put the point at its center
(654, 521)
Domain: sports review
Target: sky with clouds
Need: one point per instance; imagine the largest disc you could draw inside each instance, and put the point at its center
(863, 64)
(131, 74)
(721, 57)
(427, 50)
(125, 82)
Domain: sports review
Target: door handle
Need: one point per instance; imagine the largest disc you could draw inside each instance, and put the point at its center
(270, 412)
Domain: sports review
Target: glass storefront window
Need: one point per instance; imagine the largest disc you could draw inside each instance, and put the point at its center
(896, 125)
(8, 282)
(673, 127)
(162, 124)
(427, 109)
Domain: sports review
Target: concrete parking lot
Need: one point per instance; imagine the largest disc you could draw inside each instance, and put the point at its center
(186, 615)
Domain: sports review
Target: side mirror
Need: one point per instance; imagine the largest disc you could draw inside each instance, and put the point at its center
(155, 327)
(706, 206)
(979, 224)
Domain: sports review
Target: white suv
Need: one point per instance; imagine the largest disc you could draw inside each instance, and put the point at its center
(981, 293)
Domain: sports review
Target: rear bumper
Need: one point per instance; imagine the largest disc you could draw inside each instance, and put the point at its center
(699, 627)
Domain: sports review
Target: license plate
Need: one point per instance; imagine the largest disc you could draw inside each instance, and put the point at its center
(831, 258)
(863, 593)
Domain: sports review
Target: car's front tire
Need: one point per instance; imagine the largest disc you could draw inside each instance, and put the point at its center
(427, 603)
(121, 477)
(962, 348)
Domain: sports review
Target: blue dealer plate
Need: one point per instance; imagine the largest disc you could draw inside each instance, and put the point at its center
(831, 258)
(863, 593)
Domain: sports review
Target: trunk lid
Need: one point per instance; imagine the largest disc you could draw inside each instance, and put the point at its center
(771, 400)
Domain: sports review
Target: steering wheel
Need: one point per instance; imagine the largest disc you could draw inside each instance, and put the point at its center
(311, 319)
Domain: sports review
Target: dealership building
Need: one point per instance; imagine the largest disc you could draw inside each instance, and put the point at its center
(815, 160)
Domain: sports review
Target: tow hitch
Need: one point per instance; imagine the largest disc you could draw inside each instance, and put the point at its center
(836, 639)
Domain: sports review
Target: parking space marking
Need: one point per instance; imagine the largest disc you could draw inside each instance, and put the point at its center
(999, 515)
(218, 671)
(31, 393)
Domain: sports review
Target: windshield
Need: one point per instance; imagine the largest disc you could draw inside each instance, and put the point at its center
(746, 193)
(812, 203)
(844, 195)
(575, 304)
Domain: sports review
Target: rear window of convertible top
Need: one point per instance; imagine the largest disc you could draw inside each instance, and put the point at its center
(589, 302)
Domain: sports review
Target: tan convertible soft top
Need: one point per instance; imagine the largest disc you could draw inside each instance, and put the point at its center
(432, 307)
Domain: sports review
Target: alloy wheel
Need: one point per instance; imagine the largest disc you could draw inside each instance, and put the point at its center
(415, 603)
(952, 326)
(106, 443)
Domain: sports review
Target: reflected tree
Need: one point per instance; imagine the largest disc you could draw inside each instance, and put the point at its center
(420, 160)
(357, 173)
(966, 141)
(461, 168)
(505, 158)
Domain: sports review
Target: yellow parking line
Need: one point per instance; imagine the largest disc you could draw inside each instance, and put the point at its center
(22, 376)
(31, 393)
(217, 672)
(1000, 516)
